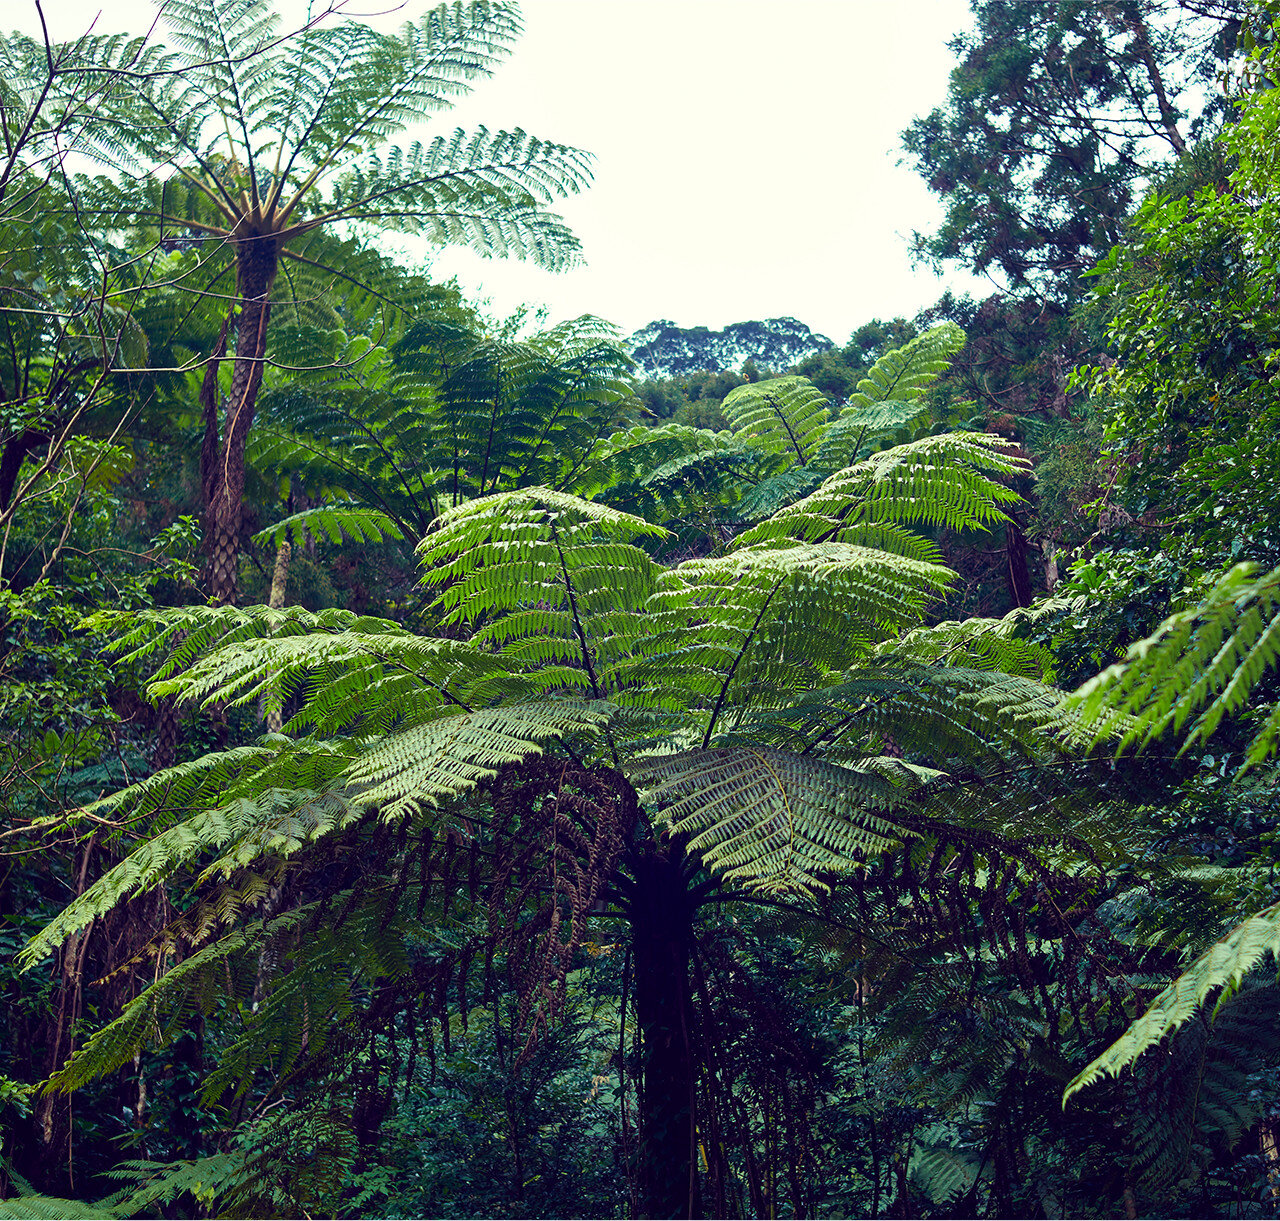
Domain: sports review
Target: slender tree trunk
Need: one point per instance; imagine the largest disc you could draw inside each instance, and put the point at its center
(1017, 575)
(662, 940)
(272, 708)
(224, 485)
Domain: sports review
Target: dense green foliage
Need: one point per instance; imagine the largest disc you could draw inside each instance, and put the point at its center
(545, 794)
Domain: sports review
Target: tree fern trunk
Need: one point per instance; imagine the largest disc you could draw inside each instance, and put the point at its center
(662, 939)
(225, 484)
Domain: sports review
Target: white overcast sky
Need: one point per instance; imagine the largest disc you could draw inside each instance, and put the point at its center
(746, 152)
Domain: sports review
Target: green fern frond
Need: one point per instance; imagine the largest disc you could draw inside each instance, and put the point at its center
(940, 481)
(944, 1172)
(773, 821)
(337, 523)
(543, 563)
(236, 832)
(979, 644)
(785, 415)
(52, 1208)
(749, 629)
(1221, 970)
(340, 677)
(890, 398)
(903, 374)
(635, 454)
(777, 491)
(1202, 662)
(1194, 1103)
(417, 768)
(936, 713)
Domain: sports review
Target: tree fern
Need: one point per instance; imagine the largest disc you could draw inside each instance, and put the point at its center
(1193, 1104)
(270, 140)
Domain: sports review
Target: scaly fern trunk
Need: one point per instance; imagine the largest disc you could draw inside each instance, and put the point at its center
(224, 485)
(662, 943)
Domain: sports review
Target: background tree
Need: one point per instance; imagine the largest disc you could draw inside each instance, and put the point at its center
(1057, 114)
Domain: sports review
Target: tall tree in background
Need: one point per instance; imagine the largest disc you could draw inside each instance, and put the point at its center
(265, 142)
(1056, 114)
(1057, 118)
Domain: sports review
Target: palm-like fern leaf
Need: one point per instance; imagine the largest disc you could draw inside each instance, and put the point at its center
(421, 765)
(890, 397)
(553, 580)
(752, 627)
(942, 481)
(785, 415)
(1221, 969)
(772, 820)
(1202, 662)
(337, 523)
(477, 189)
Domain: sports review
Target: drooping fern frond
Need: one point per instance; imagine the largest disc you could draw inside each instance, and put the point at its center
(1220, 970)
(233, 833)
(283, 1164)
(1192, 1105)
(980, 644)
(1201, 663)
(552, 580)
(944, 1172)
(338, 523)
(935, 712)
(52, 1208)
(770, 820)
(420, 766)
(663, 472)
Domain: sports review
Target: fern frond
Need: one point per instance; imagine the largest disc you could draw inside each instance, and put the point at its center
(1202, 662)
(236, 832)
(937, 713)
(417, 768)
(1195, 1102)
(940, 481)
(776, 491)
(480, 190)
(890, 397)
(338, 523)
(543, 563)
(944, 1172)
(785, 415)
(773, 821)
(751, 628)
(1221, 969)
(979, 644)
(902, 375)
(52, 1208)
